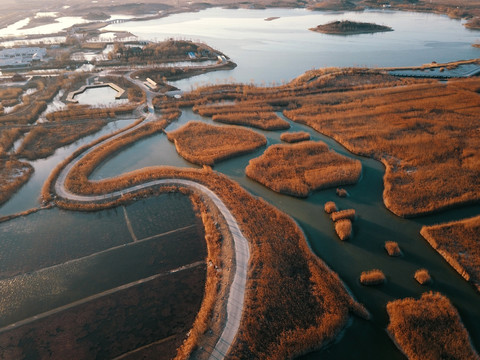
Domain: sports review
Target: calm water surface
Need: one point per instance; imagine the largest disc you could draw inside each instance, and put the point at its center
(272, 51)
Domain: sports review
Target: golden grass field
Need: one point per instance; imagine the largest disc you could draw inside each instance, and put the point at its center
(13, 174)
(457, 242)
(206, 144)
(299, 169)
(392, 248)
(429, 328)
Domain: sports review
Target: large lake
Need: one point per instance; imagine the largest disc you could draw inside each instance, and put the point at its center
(272, 51)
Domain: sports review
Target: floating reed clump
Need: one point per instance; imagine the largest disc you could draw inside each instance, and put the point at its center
(330, 207)
(344, 229)
(343, 214)
(341, 192)
(372, 277)
(429, 328)
(392, 248)
(294, 137)
(423, 277)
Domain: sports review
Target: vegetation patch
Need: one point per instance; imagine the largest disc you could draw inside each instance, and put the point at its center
(295, 137)
(43, 140)
(457, 242)
(423, 277)
(392, 248)
(206, 144)
(426, 133)
(299, 169)
(13, 174)
(343, 214)
(347, 27)
(372, 277)
(341, 192)
(344, 229)
(330, 207)
(429, 328)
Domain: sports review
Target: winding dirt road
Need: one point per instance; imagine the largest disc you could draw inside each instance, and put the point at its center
(237, 287)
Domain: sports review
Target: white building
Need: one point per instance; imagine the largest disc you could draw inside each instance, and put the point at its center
(21, 56)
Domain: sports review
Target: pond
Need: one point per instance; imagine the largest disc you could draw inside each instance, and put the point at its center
(99, 96)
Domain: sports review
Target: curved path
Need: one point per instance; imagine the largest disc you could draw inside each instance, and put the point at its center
(237, 288)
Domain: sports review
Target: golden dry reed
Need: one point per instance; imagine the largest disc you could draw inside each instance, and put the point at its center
(330, 207)
(299, 169)
(423, 277)
(458, 243)
(205, 144)
(344, 229)
(294, 137)
(372, 277)
(429, 328)
(343, 214)
(392, 248)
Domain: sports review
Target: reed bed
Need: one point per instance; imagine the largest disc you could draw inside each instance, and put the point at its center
(372, 277)
(330, 207)
(344, 229)
(423, 277)
(261, 120)
(42, 141)
(295, 137)
(457, 242)
(425, 133)
(429, 328)
(392, 248)
(13, 174)
(206, 144)
(343, 214)
(299, 169)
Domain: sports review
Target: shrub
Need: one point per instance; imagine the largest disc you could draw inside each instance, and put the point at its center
(392, 248)
(344, 229)
(372, 277)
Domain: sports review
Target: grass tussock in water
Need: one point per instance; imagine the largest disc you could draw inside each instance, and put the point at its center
(13, 174)
(299, 169)
(458, 243)
(392, 248)
(343, 214)
(344, 229)
(429, 328)
(423, 277)
(295, 137)
(330, 207)
(206, 144)
(372, 277)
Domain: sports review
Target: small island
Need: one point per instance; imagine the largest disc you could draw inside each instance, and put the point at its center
(346, 27)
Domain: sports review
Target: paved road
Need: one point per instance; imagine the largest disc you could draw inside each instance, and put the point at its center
(237, 289)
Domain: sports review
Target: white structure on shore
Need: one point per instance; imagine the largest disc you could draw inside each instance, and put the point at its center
(21, 56)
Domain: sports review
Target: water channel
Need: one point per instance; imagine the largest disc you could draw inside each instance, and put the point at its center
(282, 49)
